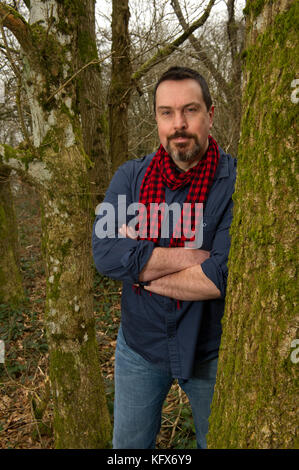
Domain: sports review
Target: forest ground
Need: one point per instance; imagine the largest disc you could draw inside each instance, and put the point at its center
(25, 403)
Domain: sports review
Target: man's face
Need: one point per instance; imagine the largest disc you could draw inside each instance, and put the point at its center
(183, 121)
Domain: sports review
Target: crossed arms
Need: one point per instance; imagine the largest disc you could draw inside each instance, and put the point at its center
(177, 273)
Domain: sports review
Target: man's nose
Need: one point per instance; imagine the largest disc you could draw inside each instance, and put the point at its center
(180, 121)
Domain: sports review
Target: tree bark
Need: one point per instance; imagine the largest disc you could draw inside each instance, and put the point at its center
(94, 118)
(255, 398)
(11, 289)
(50, 52)
(120, 84)
(81, 418)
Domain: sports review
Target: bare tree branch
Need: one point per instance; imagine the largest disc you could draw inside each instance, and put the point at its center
(92, 62)
(33, 171)
(12, 20)
(168, 49)
(201, 54)
(3, 48)
(19, 86)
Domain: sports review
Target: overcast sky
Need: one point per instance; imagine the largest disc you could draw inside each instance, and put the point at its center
(141, 10)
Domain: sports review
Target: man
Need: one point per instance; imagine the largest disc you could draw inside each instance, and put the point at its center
(173, 297)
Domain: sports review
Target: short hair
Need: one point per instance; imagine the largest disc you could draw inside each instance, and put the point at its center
(182, 73)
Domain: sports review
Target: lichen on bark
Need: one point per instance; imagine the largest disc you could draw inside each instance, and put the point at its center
(74, 362)
(50, 61)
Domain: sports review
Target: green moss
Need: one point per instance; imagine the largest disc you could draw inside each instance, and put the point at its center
(65, 372)
(64, 27)
(78, 428)
(256, 387)
(74, 7)
(87, 47)
(9, 152)
(50, 57)
(51, 141)
(65, 248)
(255, 7)
(64, 109)
(104, 125)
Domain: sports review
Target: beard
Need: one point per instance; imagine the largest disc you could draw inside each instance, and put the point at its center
(183, 152)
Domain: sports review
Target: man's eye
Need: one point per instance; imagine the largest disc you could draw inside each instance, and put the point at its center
(190, 110)
(165, 113)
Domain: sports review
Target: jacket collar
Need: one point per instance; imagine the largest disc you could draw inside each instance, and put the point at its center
(222, 167)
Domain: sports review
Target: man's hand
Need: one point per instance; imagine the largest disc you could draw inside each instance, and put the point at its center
(176, 272)
(189, 284)
(164, 261)
(127, 232)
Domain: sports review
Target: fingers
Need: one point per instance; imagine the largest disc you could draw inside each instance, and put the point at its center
(123, 230)
(131, 233)
(128, 232)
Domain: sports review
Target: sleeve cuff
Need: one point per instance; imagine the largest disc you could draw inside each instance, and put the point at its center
(136, 258)
(214, 272)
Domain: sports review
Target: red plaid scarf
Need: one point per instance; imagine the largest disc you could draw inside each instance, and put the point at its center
(162, 171)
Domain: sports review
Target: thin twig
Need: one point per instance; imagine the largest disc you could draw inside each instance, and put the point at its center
(18, 93)
(17, 383)
(92, 62)
(9, 56)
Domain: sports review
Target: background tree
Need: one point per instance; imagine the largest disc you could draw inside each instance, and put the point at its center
(120, 84)
(228, 39)
(123, 79)
(11, 289)
(255, 399)
(57, 163)
(91, 104)
(209, 49)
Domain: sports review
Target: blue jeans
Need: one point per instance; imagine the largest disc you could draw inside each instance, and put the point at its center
(140, 391)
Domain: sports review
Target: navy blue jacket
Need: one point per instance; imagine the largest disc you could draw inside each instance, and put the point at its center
(175, 337)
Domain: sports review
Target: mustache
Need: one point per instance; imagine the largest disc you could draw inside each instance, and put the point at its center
(181, 134)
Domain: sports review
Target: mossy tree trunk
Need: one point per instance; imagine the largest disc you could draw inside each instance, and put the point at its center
(11, 289)
(120, 84)
(60, 167)
(93, 113)
(255, 399)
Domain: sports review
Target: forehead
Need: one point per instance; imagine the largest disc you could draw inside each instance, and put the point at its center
(176, 93)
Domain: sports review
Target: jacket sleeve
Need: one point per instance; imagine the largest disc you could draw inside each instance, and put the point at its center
(215, 267)
(115, 256)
